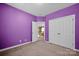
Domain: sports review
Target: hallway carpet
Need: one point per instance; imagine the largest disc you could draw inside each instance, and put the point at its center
(39, 48)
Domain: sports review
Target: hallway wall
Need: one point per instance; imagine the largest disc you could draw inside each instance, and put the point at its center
(15, 26)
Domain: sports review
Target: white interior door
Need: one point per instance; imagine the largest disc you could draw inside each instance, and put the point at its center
(62, 31)
(34, 31)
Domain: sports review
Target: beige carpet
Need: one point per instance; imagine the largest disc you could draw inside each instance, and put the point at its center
(39, 48)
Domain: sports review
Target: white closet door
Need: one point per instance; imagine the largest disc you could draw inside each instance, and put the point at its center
(34, 31)
(62, 31)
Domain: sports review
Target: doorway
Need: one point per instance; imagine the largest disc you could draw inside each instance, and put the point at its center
(38, 31)
(41, 31)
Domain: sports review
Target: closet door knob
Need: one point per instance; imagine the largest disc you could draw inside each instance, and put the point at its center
(58, 33)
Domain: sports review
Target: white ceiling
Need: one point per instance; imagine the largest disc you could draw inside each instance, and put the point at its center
(40, 9)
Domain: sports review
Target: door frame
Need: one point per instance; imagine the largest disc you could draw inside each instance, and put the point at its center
(38, 22)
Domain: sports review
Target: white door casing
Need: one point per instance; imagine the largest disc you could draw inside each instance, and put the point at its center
(35, 26)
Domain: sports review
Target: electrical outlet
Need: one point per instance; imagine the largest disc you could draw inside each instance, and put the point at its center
(20, 41)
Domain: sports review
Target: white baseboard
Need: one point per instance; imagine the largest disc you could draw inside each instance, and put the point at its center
(47, 42)
(14, 46)
(24, 44)
(76, 50)
(64, 47)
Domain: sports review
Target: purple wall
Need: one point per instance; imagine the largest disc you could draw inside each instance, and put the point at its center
(40, 18)
(74, 9)
(77, 30)
(15, 25)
